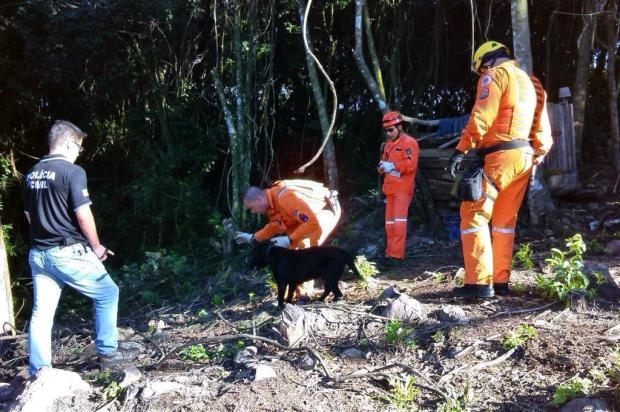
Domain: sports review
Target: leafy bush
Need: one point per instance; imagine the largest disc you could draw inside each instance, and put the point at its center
(517, 337)
(565, 267)
(366, 268)
(523, 255)
(403, 393)
(570, 389)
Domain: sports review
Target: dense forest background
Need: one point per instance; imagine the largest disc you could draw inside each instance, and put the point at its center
(176, 95)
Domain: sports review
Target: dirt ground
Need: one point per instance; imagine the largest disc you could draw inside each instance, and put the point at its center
(346, 360)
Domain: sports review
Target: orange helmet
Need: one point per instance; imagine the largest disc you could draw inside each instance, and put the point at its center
(391, 118)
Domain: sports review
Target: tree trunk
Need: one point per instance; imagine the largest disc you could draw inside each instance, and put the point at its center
(521, 34)
(580, 86)
(329, 153)
(358, 55)
(611, 37)
(538, 195)
(7, 317)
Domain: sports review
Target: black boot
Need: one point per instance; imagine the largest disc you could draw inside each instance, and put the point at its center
(501, 289)
(474, 291)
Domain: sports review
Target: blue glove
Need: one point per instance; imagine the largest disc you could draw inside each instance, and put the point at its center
(386, 166)
(243, 237)
(282, 241)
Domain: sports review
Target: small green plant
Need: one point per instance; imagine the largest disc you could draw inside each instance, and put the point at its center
(439, 336)
(566, 269)
(196, 353)
(439, 277)
(112, 391)
(403, 393)
(519, 287)
(217, 300)
(451, 405)
(394, 331)
(523, 255)
(202, 313)
(517, 337)
(570, 389)
(251, 297)
(366, 268)
(599, 278)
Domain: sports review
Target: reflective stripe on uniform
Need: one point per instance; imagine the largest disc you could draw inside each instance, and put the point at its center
(400, 219)
(503, 229)
(389, 222)
(471, 230)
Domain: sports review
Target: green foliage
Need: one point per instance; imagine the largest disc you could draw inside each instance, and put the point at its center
(106, 379)
(523, 255)
(394, 331)
(366, 268)
(565, 266)
(217, 300)
(439, 336)
(196, 353)
(570, 389)
(517, 337)
(161, 276)
(403, 393)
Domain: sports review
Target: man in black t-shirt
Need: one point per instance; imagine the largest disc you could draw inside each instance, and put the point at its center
(65, 248)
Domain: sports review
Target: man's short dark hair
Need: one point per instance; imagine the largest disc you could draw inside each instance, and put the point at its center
(63, 131)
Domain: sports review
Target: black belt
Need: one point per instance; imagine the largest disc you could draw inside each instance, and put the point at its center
(513, 144)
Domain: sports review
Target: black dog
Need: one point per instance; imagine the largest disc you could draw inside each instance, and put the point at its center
(292, 267)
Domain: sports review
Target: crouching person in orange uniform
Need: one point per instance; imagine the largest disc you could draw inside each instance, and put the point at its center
(301, 213)
(510, 130)
(398, 165)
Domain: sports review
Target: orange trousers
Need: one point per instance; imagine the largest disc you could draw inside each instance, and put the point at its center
(488, 253)
(396, 212)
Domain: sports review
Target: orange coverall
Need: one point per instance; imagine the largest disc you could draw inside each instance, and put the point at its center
(509, 106)
(398, 187)
(306, 221)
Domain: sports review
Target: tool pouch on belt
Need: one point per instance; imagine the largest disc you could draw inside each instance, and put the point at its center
(469, 186)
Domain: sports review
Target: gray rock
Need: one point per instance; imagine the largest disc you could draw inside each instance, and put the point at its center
(48, 386)
(156, 388)
(586, 405)
(246, 357)
(452, 314)
(404, 308)
(389, 293)
(306, 362)
(352, 353)
(264, 372)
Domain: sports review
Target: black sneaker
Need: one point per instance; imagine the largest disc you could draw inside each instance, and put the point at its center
(501, 289)
(474, 291)
(123, 354)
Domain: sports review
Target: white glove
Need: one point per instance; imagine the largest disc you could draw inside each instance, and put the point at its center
(386, 166)
(243, 237)
(282, 241)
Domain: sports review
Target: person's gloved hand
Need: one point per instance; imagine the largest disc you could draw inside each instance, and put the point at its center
(282, 241)
(455, 161)
(243, 237)
(386, 166)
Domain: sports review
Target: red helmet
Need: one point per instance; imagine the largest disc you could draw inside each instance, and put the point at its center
(391, 118)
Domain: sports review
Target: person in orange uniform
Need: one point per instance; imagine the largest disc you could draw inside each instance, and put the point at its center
(398, 165)
(301, 213)
(509, 128)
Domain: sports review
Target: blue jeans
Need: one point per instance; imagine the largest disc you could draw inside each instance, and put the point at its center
(78, 267)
